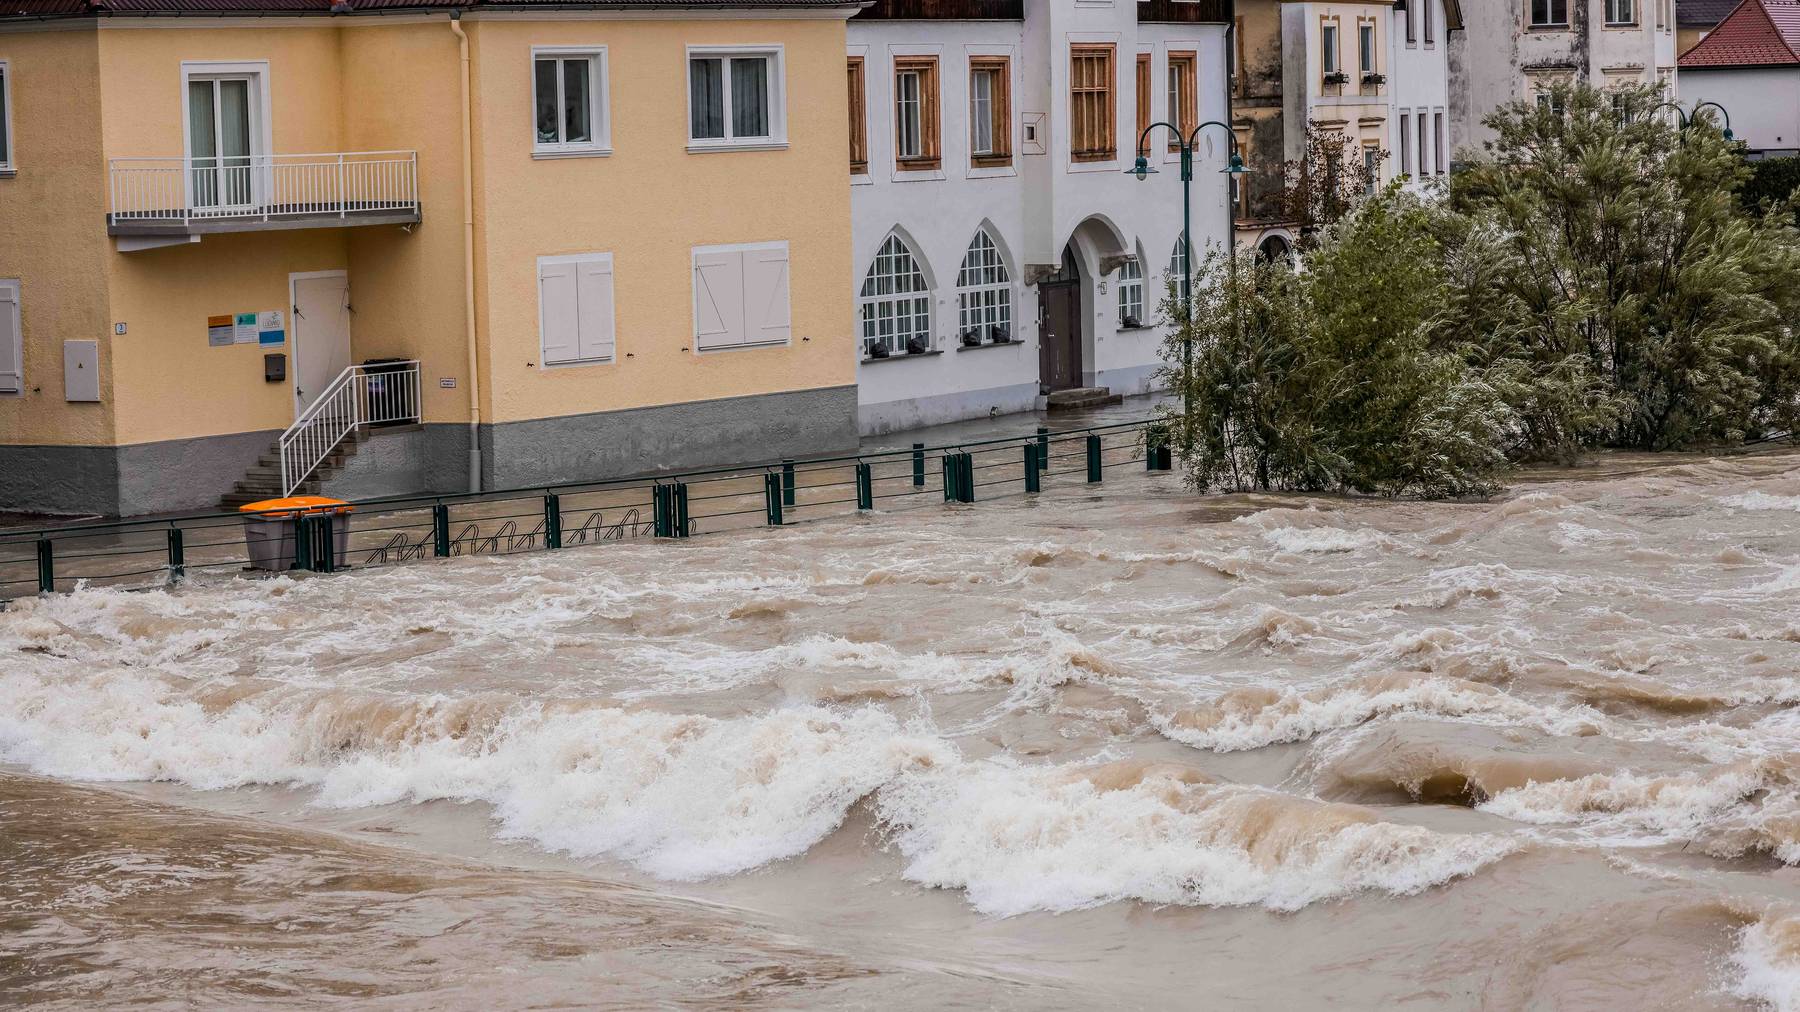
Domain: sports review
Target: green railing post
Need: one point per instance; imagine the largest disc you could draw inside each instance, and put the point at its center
(865, 486)
(918, 465)
(1093, 458)
(659, 511)
(324, 544)
(440, 530)
(787, 483)
(950, 476)
(303, 543)
(1156, 449)
(177, 555)
(46, 559)
(1032, 483)
(552, 521)
(772, 497)
(965, 483)
(1043, 438)
(680, 496)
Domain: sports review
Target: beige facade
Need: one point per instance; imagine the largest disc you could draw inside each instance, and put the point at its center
(85, 94)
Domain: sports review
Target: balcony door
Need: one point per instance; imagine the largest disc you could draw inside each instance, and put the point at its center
(222, 131)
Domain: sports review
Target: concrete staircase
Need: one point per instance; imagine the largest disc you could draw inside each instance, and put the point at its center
(262, 480)
(1077, 398)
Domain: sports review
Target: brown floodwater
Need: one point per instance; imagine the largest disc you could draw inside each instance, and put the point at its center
(1111, 747)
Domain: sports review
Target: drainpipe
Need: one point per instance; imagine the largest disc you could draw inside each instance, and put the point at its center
(468, 209)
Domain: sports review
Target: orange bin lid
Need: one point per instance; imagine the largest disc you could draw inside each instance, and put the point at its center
(311, 505)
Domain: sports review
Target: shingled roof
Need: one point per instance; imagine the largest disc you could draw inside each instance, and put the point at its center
(16, 9)
(1702, 13)
(1759, 33)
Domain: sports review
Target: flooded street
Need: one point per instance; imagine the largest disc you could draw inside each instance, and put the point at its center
(1118, 747)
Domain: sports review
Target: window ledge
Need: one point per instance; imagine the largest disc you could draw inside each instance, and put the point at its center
(575, 363)
(901, 358)
(915, 175)
(544, 154)
(741, 347)
(989, 344)
(696, 148)
(1139, 329)
(991, 172)
(8, 173)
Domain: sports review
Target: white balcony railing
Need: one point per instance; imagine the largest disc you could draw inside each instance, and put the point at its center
(180, 191)
(359, 397)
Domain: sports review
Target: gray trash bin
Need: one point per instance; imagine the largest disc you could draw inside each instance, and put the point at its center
(270, 527)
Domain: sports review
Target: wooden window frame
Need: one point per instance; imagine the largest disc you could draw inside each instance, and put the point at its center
(1239, 80)
(999, 110)
(1107, 129)
(858, 86)
(931, 152)
(1185, 116)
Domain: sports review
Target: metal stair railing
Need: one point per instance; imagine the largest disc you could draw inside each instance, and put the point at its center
(361, 396)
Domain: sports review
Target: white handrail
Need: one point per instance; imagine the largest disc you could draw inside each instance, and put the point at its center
(261, 187)
(360, 396)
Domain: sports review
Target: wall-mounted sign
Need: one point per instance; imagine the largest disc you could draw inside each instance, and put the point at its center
(269, 327)
(220, 330)
(447, 382)
(244, 328)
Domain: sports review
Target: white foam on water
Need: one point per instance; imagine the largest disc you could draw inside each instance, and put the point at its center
(1762, 501)
(680, 796)
(1323, 540)
(1768, 964)
(1019, 839)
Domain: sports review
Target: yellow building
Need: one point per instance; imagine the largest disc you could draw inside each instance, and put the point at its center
(613, 236)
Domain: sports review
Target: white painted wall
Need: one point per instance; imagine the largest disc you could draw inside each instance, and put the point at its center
(1033, 208)
(1758, 117)
(1419, 84)
(1499, 58)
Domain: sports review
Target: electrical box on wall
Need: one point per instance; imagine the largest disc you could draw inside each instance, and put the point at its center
(274, 367)
(81, 370)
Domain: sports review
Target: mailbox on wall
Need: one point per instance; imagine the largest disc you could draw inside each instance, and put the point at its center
(81, 370)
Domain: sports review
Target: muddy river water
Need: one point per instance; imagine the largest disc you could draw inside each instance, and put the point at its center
(1115, 748)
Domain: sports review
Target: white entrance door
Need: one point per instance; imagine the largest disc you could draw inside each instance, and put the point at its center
(321, 329)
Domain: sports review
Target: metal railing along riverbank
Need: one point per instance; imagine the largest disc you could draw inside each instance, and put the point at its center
(386, 532)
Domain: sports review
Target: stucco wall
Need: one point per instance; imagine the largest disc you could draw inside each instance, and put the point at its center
(53, 233)
(649, 204)
(1757, 117)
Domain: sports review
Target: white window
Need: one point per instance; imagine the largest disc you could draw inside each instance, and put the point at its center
(983, 293)
(1549, 12)
(981, 111)
(569, 94)
(741, 296)
(1365, 44)
(895, 303)
(575, 308)
(6, 131)
(1426, 15)
(1131, 293)
(1620, 12)
(12, 351)
(1371, 168)
(1178, 261)
(227, 133)
(909, 114)
(735, 98)
(1443, 142)
(1328, 43)
(1424, 144)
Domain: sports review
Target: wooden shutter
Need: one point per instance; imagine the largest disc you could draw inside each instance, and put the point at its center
(1183, 98)
(767, 317)
(594, 305)
(1091, 129)
(859, 118)
(1143, 102)
(559, 311)
(12, 352)
(718, 298)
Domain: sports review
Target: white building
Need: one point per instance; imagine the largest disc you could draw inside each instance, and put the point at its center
(1002, 250)
(1373, 73)
(1746, 64)
(1518, 49)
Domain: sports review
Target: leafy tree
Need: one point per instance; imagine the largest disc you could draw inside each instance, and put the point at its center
(1327, 181)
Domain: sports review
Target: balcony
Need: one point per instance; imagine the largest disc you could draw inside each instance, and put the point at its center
(173, 198)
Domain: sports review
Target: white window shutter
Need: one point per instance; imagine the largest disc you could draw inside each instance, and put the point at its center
(12, 364)
(595, 300)
(766, 295)
(718, 299)
(558, 312)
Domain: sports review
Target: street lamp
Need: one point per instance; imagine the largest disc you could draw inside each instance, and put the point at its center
(1233, 167)
(1695, 116)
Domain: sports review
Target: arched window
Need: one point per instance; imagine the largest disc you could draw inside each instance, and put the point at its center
(1131, 294)
(1178, 261)
(983, 294)
(895, 303)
